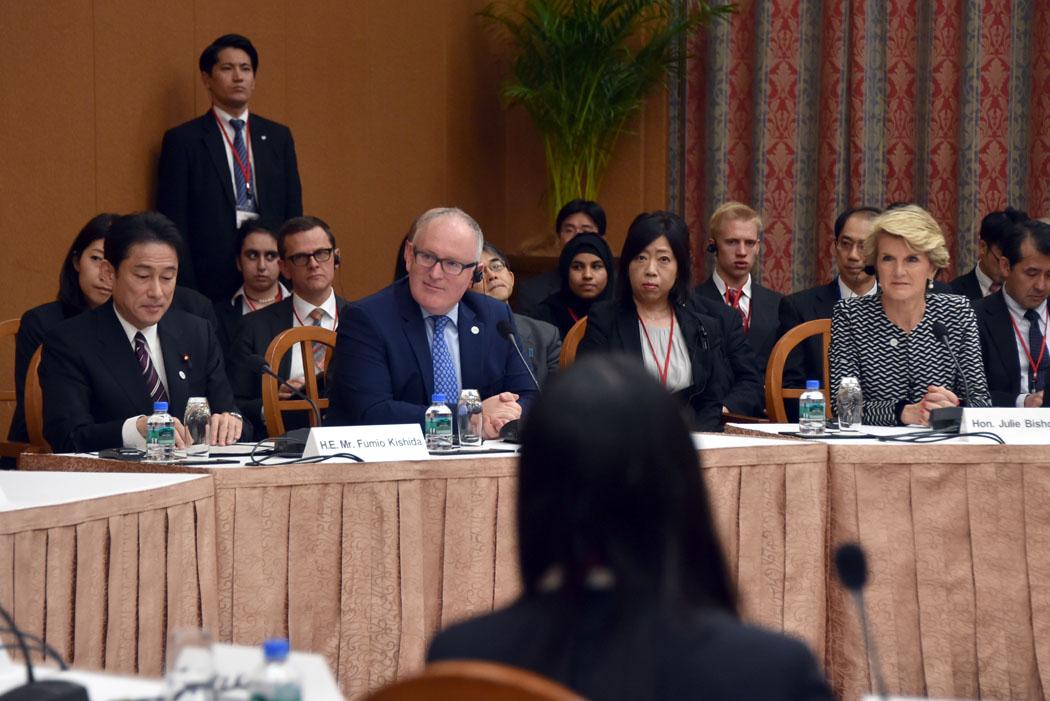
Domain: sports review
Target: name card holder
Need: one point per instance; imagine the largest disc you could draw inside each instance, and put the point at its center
(1014, 426)
(388, 443)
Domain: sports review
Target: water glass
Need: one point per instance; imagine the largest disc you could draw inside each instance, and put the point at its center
(468, 417)
(190, 669)
(198, 424)
(850, 404)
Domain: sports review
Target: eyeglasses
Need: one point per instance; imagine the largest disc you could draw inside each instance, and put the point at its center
(494, 266)
(844, 245)
(321, 255)
(429, 260)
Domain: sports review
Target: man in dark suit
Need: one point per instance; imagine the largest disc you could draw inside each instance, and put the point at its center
(986, 277)
(1013, 321)
(308, 257)
(257, 262)
(540, 341)
(734, 230)
(426, 334)
(853, 280)
(225, 167)
(103, 370)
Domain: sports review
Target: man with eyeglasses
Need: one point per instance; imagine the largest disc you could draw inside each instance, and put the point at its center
(540, 341)
(257, 262)
(806, 362)
(986, 278)
(428, 333)
(308, 259)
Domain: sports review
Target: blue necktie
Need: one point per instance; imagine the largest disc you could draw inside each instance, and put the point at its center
(244, 202)
(1036, 376)
(444, 372)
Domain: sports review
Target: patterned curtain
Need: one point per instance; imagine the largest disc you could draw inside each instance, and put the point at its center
(802, 108)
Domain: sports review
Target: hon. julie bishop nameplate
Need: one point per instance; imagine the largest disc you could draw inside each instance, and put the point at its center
(370, 443)
(1014, 426)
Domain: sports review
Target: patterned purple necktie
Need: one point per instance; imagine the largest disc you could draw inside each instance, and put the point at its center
(154, 386)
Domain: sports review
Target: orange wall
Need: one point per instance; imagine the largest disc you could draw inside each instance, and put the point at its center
(393, 105)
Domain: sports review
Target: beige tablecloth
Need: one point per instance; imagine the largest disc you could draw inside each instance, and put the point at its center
(103, 580)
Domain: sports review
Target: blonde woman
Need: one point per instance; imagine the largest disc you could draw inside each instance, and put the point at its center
(887, 340)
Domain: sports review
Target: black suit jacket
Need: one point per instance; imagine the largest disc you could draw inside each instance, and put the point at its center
(540, 344)
(195, 190)
(92, 382)
(613, 328)
(685, 653)
(806, 362)
(254, 335)
(967, 285)
(764, 322)
(1002, 366)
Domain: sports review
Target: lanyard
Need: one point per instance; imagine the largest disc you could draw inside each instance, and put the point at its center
(1033, 367)
(667, 358)
(246, 170)
(575, 318)
(248, 300)
(298, 318)
(735, 304)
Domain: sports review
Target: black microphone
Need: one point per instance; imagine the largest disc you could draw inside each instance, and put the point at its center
(512, 429)
(51, 689)
(293, 443)
(949, 419)
(852, 568)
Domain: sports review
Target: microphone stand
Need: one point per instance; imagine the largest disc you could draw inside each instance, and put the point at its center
(292, 443)
(510, 432)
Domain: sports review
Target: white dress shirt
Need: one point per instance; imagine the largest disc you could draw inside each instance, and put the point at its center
(845, 292)
(1023, 325)
(983, 280)
(129, 432)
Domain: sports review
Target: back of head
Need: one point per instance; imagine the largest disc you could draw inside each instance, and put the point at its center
(141, 227)
(609, 478)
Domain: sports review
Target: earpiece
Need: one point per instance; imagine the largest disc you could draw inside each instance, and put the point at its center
(337, 259)
(478, 274)
(711, 248)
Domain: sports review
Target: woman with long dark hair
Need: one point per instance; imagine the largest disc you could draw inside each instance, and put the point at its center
(585, 269)
(626, 594)
(654, 319)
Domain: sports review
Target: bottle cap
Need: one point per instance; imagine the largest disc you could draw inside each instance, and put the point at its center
(275, 649)
(812, 384)
(160, 406)
(437, 398)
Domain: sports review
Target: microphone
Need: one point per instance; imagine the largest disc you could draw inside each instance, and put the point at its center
(948, 419)
(52, 689)
(852, 568)
(511, 430)
(294, 442)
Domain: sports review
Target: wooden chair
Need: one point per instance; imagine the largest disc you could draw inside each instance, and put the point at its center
(776, 393)
(470, 680)
(570, 342)
(34, 405)
(283, 342)
(10, 449)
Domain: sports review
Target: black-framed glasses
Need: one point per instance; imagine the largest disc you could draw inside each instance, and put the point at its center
(429, 260)
(321, 255)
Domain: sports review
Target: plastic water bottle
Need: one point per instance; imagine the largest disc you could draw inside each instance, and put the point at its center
(850, 404)
(811, 410)
(275, 680)
(437, 424)
(160, 434)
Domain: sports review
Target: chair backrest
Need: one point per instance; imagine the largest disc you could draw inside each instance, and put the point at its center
(470, 680)
(9, 328)
(283, 342)
(776, 393)
(570, 342)
(34, 405)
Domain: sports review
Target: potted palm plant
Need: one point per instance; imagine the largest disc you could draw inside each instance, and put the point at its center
(583, 68)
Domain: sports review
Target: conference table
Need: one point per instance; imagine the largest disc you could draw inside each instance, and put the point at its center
(364, 563)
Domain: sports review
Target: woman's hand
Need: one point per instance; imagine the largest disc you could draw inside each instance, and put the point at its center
(915, 415)
(938, 397)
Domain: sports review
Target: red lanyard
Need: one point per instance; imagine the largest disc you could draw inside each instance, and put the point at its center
(248, 300)
(735, 304)
(246, 170)
(572, 314)
(1033, 367)
(667, 358)
(298, 318)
